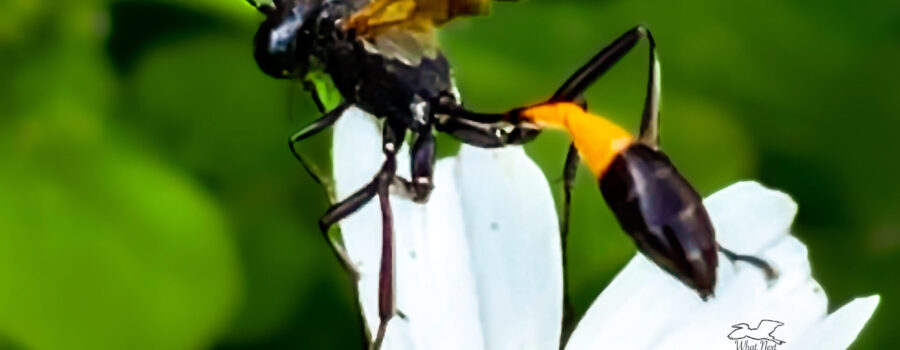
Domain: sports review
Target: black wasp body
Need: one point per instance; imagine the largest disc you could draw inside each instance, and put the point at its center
(391, 72)
(396, 72)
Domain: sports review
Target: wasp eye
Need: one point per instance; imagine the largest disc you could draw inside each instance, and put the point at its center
(657, 207)
(279, 44)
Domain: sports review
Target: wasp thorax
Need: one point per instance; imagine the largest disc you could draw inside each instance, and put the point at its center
(657, 207)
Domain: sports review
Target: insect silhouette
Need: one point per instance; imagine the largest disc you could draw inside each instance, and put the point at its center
(762, 332)
(381, 56)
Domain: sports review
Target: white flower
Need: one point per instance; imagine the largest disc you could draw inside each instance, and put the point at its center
(479, 265)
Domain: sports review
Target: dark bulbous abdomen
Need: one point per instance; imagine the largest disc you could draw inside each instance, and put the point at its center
(660, 210)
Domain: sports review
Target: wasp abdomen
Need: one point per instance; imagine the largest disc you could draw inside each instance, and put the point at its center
(657, 207)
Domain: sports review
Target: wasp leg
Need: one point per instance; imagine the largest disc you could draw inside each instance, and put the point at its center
(600, 63)
(387, 307)
(485, 134)
(575, 86)
(423, 157)
(317, 126)
(770, 272)
(569, 171)
(379, 186)
(339, 212)
(650, 116)
(353, 203)
(309, 86)
(485, 130)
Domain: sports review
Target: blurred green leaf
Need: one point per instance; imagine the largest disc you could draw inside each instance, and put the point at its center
(204, 103)
(103, 247)
(232, 10)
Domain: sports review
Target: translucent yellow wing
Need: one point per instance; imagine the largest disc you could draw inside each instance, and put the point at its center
(422, 16)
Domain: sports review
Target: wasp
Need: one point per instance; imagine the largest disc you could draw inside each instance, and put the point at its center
(381, 56)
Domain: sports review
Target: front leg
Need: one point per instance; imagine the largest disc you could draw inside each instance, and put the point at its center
(422, 155)
(317, 126)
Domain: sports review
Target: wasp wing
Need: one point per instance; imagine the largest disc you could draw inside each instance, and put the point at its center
(379, 16)
(404, 29)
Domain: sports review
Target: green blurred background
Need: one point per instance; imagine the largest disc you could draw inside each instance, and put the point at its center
(148, 199)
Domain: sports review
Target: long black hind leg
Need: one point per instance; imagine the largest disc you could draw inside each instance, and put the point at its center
(572, 91)
(339, 212)
(379, 186)
(489, 130)
(387, 306)
(352, 204)
(317, 126)
(601, 63)
(598, 65)
(569, 171)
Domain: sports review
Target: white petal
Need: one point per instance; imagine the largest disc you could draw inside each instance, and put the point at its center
(479, 266)
(644, 308)
(640, 303)
(357, 157)
(795, 299)
(748, 217)
(435, 287)
(839, 329)
(513, 232)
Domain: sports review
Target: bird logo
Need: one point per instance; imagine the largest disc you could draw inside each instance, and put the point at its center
(762, 332)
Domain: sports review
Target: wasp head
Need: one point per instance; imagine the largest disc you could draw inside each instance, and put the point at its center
(282, 43)
(657, 207)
